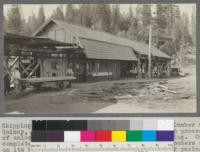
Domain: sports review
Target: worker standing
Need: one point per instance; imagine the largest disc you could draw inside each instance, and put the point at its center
(16, 77)
(7, 80)
(69, 71)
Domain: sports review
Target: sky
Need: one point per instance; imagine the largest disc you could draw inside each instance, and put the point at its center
(28, 9)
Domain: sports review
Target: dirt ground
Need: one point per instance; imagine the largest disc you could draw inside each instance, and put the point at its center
(175, 95)
(181, 97)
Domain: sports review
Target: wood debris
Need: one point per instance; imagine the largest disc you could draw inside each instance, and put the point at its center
(165, 88)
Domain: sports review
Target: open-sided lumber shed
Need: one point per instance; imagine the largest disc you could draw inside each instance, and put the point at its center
(33, 56)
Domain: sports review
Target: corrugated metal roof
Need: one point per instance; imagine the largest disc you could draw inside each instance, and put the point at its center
(101, 50)
(87, 33)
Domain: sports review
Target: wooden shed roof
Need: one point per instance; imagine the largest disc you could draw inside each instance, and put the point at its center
(29, 41)
(90, 34)
(100, 50)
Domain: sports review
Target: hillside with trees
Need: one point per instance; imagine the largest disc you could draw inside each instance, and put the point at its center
(167, 21)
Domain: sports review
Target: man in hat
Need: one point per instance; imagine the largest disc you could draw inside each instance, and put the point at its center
(7, 80)
(16, 77)
(69, 71)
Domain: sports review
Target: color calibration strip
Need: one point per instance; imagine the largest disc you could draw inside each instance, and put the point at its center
(102, 136)
(103, 131)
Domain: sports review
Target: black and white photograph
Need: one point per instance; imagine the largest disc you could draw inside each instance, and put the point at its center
(99, 58)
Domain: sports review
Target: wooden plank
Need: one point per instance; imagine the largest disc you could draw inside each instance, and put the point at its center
(165, 88)
(102, 74)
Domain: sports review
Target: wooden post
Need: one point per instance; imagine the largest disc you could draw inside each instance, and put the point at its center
(149, 53)
(85, 70)
(181, 56)
(139, 66)
(168, 68)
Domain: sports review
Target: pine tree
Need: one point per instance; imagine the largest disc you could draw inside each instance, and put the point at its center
(102, 17)
(116, 19)
(162, 16)
(41, 17)
(193, 26)
(142, 21)
(186, 37)
(31, 24)
(146, 14)
(172, 16)
(125, 24)
(71, 13)
(139, 11)
(134, 25)
(15, 24)
(58, 14)
(130, 13)
(85, 15)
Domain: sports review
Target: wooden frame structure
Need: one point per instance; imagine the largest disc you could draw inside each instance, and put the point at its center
(92, 55)
(100, 48)
(28, 58)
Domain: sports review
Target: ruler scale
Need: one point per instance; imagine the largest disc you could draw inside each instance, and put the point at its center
(101, 147)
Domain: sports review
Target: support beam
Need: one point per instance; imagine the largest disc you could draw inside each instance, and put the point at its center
(23, 68)
(28, 68)
(34, 69)
(13, 63)
(149, 53)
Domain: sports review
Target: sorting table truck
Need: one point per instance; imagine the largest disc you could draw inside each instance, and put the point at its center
(58, 82)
